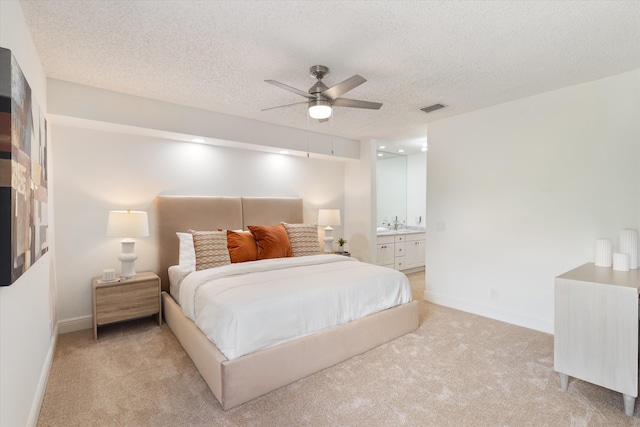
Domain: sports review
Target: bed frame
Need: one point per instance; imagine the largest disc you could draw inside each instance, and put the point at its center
(237, 381)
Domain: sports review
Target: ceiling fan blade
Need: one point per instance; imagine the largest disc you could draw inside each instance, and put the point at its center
(286, 105)
(290, 89)
(343, 87)
(345, 102)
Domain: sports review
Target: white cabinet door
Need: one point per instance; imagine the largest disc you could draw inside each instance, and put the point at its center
(385, 251)
(385, 254)
(414, 254)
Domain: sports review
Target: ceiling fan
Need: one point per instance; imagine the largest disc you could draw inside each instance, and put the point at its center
(321, 98)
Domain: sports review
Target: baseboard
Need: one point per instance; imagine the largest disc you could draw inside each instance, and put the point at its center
(75, 324)
(491, 312)
(44, 379)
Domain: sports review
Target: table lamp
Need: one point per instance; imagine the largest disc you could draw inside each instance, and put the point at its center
(328, 217)
(127, 224)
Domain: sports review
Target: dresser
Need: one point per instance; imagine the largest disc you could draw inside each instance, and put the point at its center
(596, 329)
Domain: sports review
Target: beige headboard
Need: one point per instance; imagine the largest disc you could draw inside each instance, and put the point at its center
(183, 213)
(270, 211)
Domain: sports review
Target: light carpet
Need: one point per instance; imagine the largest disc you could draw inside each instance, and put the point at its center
(457, 369)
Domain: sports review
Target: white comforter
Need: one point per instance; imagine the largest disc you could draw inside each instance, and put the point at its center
(249, 306)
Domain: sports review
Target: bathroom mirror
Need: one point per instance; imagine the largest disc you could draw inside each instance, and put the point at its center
(391, 181)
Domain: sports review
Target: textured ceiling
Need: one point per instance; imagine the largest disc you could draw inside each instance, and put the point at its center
(216, 55)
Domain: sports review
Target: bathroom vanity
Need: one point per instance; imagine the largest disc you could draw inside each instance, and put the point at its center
(401, 249)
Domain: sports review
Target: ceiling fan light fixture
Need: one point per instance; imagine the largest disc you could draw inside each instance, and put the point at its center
(321, 99)
(319, 109)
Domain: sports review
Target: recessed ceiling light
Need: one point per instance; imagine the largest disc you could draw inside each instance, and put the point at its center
(197, 140)
(382, 147)
(401, 151)
(284, 152)
(380, 154)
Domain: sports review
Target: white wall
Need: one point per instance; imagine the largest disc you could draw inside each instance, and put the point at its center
(27, 339)
(524, 189)
(98, 171)
(360, 204)
(133, 113)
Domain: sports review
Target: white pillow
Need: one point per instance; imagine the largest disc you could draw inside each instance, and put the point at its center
(187, 258)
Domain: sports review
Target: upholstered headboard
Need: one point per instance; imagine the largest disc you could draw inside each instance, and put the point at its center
(183, 213)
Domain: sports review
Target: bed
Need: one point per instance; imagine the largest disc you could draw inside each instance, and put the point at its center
(249, 374)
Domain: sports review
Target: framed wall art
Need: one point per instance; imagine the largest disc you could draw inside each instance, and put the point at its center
(23, 174)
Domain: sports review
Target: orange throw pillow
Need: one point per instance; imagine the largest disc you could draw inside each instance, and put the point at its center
(242, 246)
(272, 241)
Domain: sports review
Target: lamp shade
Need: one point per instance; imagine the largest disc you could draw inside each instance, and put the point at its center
(319, 109)
(329, 217)
(127, 224)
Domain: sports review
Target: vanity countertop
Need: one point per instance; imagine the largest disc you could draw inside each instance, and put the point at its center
(400, 231)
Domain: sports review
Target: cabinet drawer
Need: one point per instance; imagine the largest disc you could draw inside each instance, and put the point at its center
(399, 264)
(122, 302)
(416, 236)
(399, 238)
(399, 249)
(381, 240)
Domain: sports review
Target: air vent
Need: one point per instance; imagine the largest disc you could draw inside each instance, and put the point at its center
(431, 108)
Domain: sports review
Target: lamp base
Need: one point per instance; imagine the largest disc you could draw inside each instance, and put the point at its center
(127, 259)
(328, 239)
(328, 244)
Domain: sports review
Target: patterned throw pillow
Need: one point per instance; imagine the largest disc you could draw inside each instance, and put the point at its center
(211, 249)
(304, 239)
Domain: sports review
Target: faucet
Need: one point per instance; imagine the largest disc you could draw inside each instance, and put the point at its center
(395, 223)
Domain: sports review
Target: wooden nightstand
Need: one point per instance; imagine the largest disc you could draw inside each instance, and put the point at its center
(125, 299)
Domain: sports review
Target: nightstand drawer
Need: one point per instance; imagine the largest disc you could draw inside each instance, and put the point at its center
(122, 302)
